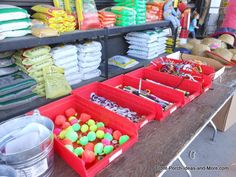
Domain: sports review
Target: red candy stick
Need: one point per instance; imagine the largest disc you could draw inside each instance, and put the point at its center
(70, 112)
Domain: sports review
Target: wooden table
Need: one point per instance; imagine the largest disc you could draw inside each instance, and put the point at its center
(160, 143)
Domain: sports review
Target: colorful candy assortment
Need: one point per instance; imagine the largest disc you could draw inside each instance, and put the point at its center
(147, 95)
(88, 139)
(112, 106)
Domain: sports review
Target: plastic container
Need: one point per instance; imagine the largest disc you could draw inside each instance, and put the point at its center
(195, 89)
(123, 99)
(204, 80)
(162, 92)
(37, 161)
(113, 121)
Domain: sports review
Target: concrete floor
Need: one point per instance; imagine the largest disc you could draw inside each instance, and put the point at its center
(220, 153)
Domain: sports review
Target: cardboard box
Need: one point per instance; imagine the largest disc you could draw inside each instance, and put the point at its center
(226, 118)
(219, 68)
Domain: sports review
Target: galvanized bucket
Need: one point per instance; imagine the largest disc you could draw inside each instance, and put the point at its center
(37, 161)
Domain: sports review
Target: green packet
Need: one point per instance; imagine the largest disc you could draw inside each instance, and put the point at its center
(121, 10)
(15, 82)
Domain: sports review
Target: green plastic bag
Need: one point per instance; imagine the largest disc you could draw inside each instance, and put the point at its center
(55, 82)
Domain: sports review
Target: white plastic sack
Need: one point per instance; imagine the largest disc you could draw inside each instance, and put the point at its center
(89, 64)
(63, 51)
(89, 47)
(89, 57)
(72, 70)
(88, 69)
(69, 59)
(91, 74)
(8, 12)
(70, 65)
(14, 25)
(15, 33)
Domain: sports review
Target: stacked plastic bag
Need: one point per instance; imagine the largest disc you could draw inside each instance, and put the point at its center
(89, 59)
(14, 22)
(65, 56)
(32, 61)
(125, 16)
(138, 5)
(55, 18)
(107, 19)
(170, 44)
(15, 86)
(147, 44)
(155, 11)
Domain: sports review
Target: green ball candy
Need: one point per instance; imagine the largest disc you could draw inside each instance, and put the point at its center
(62, 134)
(100, 124)
(72, 135)
(69, 147)
(83, 140)
(108, 149)
(123, 139)
(84, 128)
(91, 122)
(78, 151)
(93, 128)
(76, 127)
(108, 136)
(98, 148)
(91, 136)
(100, 134)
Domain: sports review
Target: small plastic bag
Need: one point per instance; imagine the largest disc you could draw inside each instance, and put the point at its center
(55, 82)
(36, 51)
(122, 61)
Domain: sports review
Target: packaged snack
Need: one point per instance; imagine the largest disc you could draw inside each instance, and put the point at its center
(55, 82)
(42, 31)
(12, 25)
(8, 70)
(50, 10)
(36, 51)
(59, 4)
(5, 62)
(48, 18)
(8, 12)
(6, 54)
(70, 6)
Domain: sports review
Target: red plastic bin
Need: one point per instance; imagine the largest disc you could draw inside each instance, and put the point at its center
(160, 91)
(206, 81)
(115, 122)
(123, 99)
(193, 88)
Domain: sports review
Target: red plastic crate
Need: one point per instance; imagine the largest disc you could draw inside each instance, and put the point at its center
(195, 89)
(205, 80)
(115, 122)
(160, 91)
(122, 99)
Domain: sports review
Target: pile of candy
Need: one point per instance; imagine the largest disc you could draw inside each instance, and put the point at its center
(86, 138)
(125, 112)
(147, 95)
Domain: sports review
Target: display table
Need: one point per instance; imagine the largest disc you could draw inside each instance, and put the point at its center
(161, 143)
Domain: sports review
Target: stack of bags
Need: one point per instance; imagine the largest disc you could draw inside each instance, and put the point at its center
(125, 16)
(55, 18)
(155, 11)
(66, 57)
(147, 44)
(89, 58)
(14, 22)
(138, 5)
(32, 61)
(170, 44)
(15, 86)
(107, 19)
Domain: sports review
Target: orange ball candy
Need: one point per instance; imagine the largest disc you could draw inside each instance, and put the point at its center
(70, 112)
(88, 156)
(84, 117)
(117, 134)
(60, 120)
(65, 125)
(89, 146)
(67, 142)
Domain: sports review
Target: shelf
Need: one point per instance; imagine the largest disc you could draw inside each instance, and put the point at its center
(115, 71)
(22, 109)
(32, 41)
(145, 26)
